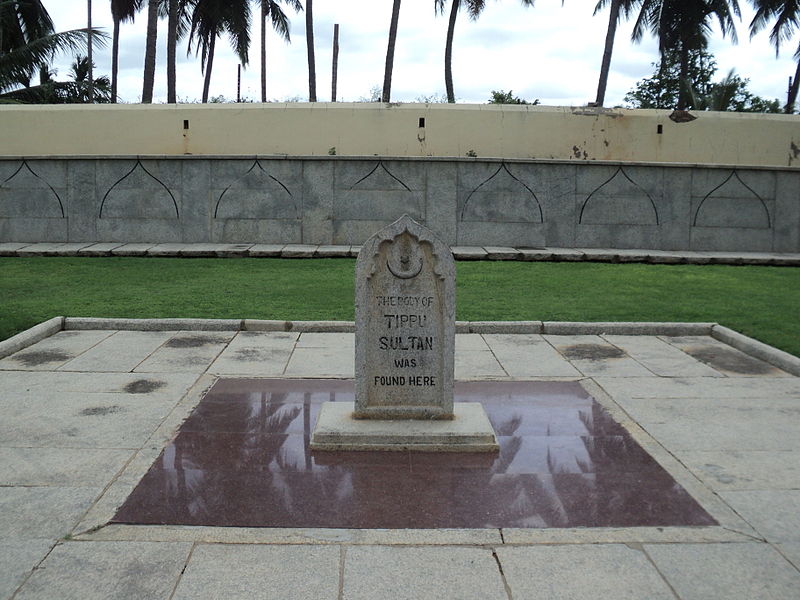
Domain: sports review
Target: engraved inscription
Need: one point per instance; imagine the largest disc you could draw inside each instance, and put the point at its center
(405, 325)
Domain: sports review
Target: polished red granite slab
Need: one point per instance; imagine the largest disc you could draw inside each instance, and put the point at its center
(242, 459)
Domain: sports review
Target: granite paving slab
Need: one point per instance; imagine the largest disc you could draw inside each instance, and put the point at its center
(470, 342)
(707, 388)
(244, 571)
(581, 571)
(10, 248)
(100, 249)
(468, 253)
(54, 384)
(702, 425)
(726, 571)
(299, 251)
(660, 357)
(341, 342)
(332, 251)
(501, 253)
(528, 356)
(256, 353)
(42, 512)
(565, 254)
(477, 364)
(165, 250)
(775, 514)
(593, 356)
(55, 351)
(44, 466)
(321, 362)
(186, 352)
(265, 250)
(68, 249)
(80, 420)
(744, 470)
(421, 574)
(102, 570)
(40, 249)
(121, 352)
(132, 250)
(17, 558)
(563, 461)
(724, 358)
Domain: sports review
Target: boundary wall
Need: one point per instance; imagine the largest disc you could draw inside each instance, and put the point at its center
(343, 201)
(555, 177)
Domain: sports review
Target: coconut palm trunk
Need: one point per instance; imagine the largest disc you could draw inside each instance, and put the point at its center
(792, 98)
(605, 67)
(387, 73)
(312, 69)
(209, 65)
(150, 52)
(263, 50)
(172, 48)
(683, 83)
(448, 52)
(114, 61)
(90, 88)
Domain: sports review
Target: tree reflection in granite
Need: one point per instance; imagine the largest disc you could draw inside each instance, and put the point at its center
(242, 459)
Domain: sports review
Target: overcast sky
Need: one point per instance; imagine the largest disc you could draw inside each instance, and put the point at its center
(547, 52)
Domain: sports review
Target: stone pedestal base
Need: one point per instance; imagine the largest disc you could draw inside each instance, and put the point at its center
(469, 431)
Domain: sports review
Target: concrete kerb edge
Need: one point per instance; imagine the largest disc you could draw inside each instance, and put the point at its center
(773, 356)
(30, 336)
(625, 328)
(777, 358)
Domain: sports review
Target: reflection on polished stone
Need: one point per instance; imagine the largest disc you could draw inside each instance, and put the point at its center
(242, 459)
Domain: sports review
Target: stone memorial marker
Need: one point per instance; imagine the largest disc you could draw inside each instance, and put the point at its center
(405, 350)
(405, 325)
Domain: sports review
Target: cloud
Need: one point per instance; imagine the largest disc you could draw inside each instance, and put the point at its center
(549, 51)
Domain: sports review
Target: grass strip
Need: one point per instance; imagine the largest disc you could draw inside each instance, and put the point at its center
(762, 302)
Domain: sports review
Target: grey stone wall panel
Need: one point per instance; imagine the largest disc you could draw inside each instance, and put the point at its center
(336, 200)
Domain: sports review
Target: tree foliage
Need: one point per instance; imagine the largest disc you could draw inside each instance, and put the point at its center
(661, 90)
(503, 97)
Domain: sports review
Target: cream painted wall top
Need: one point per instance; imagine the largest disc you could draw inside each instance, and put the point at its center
(400, 130)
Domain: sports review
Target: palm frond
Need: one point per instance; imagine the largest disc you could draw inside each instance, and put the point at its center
(280, 21)
(23, 61)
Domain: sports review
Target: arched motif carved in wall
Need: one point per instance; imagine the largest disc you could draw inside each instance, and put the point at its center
(376, 179)
(733, 204)
(502, 198)
(139, 194)
(25, 193)
(256, 194)
(619, 201)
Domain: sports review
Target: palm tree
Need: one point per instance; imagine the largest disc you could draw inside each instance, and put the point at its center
(150, 52)
(786, 14)
(210, 19)
(178, 23)
(28, 42)
(271, 9)
(617, 6)
(312, 68)
(84, 90)
(387, 74)
(121, 11)
(474, 9)
(685, 25)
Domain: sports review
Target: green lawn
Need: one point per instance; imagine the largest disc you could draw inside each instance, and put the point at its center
(763, 302)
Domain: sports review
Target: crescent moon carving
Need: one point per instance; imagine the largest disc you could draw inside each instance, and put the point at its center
(406, 274)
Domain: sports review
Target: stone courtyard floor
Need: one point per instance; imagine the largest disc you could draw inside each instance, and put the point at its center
(85, 413)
